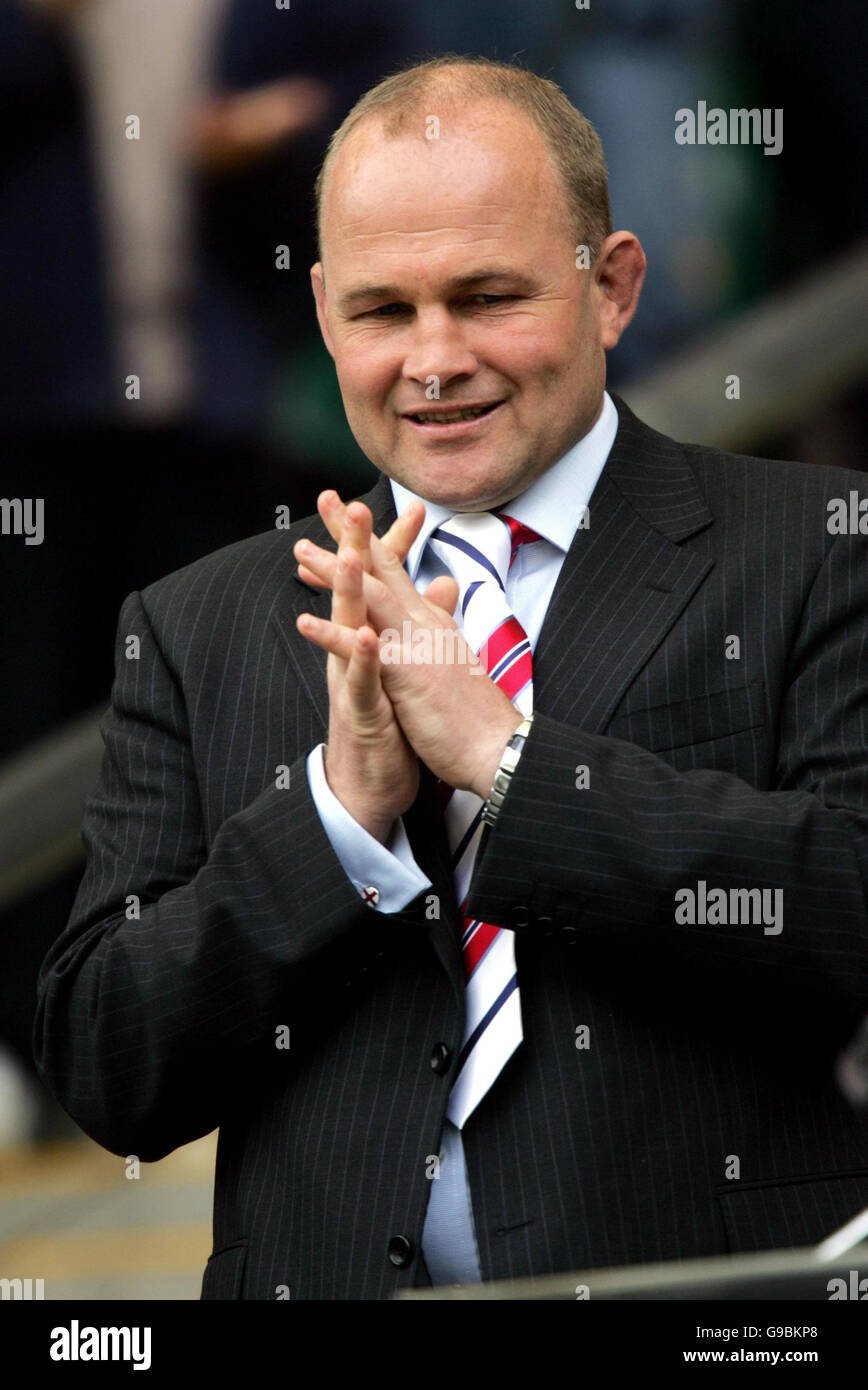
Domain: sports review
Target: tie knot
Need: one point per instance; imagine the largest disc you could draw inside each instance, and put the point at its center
(480, 545)
(519, 533)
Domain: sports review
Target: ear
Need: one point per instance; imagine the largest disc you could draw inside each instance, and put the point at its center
(619, 272)
(317, 280)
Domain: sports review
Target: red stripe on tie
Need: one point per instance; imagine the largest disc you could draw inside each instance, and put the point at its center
(501, 642)
(477, 945)
(516, 676)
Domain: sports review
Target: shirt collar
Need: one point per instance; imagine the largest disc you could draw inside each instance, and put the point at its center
(552, 505)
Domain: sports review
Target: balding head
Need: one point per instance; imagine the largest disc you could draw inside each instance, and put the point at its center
(421, 100)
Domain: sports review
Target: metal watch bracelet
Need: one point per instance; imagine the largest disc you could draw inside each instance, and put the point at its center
(503, 775)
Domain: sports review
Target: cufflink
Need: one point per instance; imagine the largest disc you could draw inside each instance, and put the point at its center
(371, 895)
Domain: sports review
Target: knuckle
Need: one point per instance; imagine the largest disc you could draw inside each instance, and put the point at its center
(389, 559)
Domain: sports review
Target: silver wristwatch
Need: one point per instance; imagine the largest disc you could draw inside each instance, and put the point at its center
(503, 775)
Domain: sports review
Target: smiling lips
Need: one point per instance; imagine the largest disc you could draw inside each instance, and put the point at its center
(450, 416)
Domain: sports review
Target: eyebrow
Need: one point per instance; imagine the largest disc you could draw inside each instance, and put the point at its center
(363, 293)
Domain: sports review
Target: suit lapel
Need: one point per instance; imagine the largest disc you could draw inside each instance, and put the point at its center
(624, 580)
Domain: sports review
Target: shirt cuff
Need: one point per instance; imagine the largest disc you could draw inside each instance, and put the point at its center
(386, 876)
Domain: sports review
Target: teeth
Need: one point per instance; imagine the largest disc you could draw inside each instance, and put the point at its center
(443, 419)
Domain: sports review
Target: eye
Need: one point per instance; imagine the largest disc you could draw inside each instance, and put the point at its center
(382, 311)
(391, 311)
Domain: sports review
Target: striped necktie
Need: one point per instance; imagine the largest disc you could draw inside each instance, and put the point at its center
(479, 547)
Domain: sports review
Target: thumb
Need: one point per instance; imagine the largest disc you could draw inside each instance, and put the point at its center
(443, 592)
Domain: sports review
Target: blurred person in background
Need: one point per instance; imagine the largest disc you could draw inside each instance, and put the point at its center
(278, 81)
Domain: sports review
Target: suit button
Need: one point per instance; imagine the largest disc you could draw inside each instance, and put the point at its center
(440, 1058)
(520, 916)
(545, 926)
(569, 935)
(400, 1251)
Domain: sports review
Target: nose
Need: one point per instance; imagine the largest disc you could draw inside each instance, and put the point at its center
(437, 348)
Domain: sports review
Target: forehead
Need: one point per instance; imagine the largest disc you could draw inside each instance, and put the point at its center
(488, 182)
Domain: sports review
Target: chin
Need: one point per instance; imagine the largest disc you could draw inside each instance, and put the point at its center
(460, 498)
(479, 493)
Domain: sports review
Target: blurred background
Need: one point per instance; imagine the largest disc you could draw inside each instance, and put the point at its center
(156, 156)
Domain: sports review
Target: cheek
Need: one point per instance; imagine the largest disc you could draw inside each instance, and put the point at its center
(363, 373)
(534, 353)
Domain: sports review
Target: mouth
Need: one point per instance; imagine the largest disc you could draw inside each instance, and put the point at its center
(455, 420)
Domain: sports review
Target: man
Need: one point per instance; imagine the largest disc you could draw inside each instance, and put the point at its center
(599, 1026)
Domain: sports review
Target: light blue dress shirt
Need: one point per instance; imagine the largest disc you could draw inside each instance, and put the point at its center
(552, 506)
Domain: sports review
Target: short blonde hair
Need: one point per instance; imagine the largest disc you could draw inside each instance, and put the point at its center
(455, 79)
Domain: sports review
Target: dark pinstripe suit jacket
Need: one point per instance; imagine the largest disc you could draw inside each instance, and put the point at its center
(707, 1044)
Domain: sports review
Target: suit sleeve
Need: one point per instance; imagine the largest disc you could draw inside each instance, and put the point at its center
(159, 1005)
(603, 864)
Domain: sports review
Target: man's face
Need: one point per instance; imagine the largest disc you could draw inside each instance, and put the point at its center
(450, 266)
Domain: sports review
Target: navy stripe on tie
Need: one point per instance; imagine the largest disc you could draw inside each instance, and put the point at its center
(471, 926)
(466, 838)
(471, 590)
(484, 1022)
(468, 549)
(510, 657)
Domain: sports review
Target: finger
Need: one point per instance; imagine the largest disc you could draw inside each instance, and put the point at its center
(356, 533)
(390, 569)
(363, 672)
(331, 510)
(403, 531)
(443, 592)
(332, 638)
(388, 602)
(348, 603)
(350, 525)
(398, 538)
(322, 577)
(385, 566)
(318, 562)
(308, 577)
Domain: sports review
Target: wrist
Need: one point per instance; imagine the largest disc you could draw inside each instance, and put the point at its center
(505, 772)
(369, 818)
(484, 777)
(372, 814)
